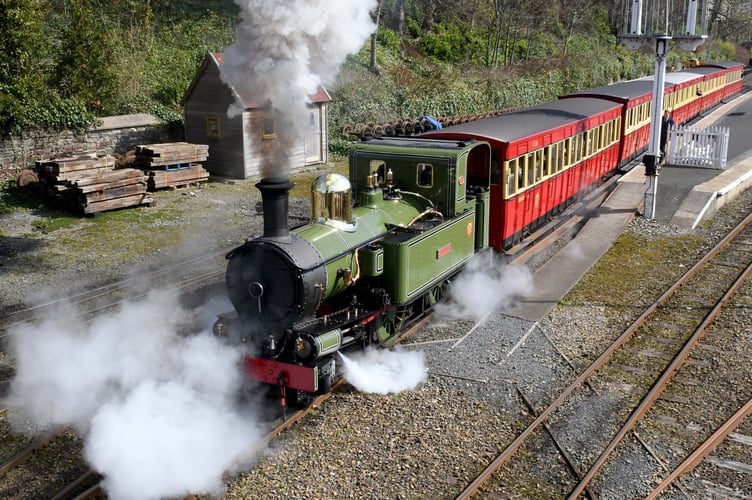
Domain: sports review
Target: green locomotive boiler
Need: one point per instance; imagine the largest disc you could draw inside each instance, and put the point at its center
(379, 250)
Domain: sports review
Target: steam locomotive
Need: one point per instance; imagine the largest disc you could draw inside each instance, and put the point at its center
(382, 246)
(358, 272)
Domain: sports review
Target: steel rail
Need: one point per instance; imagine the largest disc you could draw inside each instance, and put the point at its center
(512, 448)
(103, 290)
(28, 452)
(259, 445)
(567, 457)
(657, 389)
(703, 450)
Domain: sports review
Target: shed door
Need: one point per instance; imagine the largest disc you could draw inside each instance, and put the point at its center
(313, 139)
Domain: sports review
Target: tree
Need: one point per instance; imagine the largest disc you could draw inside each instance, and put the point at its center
(21, 39)
(84, 65)
(21, 50)
(374, 36)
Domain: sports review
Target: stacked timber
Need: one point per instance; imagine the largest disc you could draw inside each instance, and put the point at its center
(90, 183)
(172, 165)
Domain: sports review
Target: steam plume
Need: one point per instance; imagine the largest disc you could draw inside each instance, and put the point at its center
(384, 371)
(481, 289)
(156, 410)
(284, 50)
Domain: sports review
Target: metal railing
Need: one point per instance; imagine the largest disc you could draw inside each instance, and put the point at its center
(698, 147)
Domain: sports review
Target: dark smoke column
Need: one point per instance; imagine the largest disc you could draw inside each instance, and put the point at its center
(285, 49)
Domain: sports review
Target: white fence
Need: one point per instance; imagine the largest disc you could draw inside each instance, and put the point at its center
(698, 147)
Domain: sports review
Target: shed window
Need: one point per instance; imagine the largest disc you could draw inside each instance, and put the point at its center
(269, 132)
(213, 130)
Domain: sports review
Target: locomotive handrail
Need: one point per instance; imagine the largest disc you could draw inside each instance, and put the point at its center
(418, 195)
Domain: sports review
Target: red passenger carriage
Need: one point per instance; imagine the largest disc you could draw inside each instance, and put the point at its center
(715, 84)
(683, 99)
(543, 158)
(635, 97)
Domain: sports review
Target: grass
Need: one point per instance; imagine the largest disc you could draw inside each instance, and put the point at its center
(633, 268)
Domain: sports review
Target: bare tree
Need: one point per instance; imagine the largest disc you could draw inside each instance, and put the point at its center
(374, 36)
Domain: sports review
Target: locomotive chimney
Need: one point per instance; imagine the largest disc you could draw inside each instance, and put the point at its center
(275, 198)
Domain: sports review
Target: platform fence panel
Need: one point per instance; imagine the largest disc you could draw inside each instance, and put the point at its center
(698, 147)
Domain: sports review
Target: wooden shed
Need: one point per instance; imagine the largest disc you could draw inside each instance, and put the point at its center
(236, 145)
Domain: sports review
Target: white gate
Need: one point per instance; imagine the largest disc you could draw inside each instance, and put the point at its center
(698, 147)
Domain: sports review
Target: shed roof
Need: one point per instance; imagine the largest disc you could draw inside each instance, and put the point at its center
(215, 58)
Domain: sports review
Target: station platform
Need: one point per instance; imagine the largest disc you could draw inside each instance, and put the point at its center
(688, 195)
(685, 197)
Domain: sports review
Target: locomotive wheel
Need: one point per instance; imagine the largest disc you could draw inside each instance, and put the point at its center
(436, 294)
(392, 322)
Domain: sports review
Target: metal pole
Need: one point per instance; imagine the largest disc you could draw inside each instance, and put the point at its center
(653, 157)
(637, 18)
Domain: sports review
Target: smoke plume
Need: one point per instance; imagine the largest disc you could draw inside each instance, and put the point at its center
(284, 50)
(384, 371)
(157, 411)
(481, 289)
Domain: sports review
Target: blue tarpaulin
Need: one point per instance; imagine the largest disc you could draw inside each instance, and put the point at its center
(434, 123)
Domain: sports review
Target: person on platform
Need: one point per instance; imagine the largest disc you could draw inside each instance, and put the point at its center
(666, 125)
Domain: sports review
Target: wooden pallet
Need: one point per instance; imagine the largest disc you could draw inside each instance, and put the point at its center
(173, 179)
(171, 154)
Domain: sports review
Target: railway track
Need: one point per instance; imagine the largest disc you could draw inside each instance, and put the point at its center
(723, 437)
(46, 465)
(87, 304)
(656, 363)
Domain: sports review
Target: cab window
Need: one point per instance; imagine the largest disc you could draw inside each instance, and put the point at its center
(378, 167)
(424, 175)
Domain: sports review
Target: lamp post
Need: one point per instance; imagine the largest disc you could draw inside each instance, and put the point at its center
(659, 42)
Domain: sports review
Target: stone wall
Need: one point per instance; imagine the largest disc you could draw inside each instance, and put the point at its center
(116, 134)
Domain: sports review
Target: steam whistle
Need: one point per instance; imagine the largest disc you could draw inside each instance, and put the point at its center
(391, 192)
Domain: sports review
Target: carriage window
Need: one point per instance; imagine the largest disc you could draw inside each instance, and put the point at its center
(546, 161)
(521, 172)
(576, 150)
(530, 169)
(509, 169)
(495, 171)
(556, 157)
(425, 175)
(378, 167)
(587, 146)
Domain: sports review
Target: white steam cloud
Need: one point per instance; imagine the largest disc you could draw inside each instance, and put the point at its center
(382, 371)
(285, 49)
(481, 289)
(157, 410)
